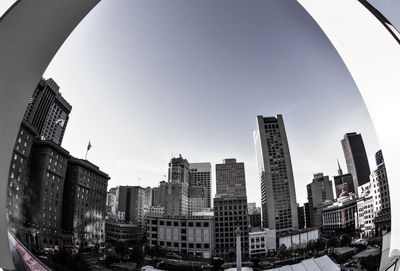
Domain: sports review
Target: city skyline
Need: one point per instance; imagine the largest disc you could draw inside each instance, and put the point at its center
(197, 135)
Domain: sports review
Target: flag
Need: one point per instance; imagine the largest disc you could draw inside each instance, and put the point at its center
(60, 123)
(89, 146)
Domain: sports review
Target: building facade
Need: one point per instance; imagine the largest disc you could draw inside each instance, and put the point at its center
(365, 218)
(318, 191)
(200, 176)
(380, 185)
(19, 177)
(188, 235)
(43, 196)
(254, 215)
(356, 158)
(48, 112)
(230, 178)
(121, 232)
(84, 203)
(261, 242)
(340, 217)
(301, 216)
(131, 201)
(278, 196)
(229, 214)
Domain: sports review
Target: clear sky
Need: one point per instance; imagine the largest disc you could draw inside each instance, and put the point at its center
(153, 79)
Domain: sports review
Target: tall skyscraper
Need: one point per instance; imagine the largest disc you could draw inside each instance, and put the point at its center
(278, 196)
(230, 178)
(230, 209)
(356, 158)
(48, 112)
(319, 191)
(200, 175)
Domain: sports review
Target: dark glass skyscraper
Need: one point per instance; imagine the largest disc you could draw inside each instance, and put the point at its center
(278, 196)
(356, 158)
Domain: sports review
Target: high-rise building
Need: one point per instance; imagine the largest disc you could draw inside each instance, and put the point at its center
(131, 201)
(84, 203)
(356, 158)
(200, 175)
(18, 176)
(43, 196)
(178, 171)
(319, 191)
(197, 199)
(254, 215)
(158, 197)
(229, 214)
(301, 217)
(380, 186)
(344, 183)
(175, 192)
(278, 196)
(379, 158)
(230, 209)
(48, 112)
(148, 197)
(230, 178)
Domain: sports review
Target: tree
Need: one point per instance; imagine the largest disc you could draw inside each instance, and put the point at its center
(120, 249)
(216, 263)
(282, 251)
(371, 263)
(345, 239)
(319, 244)
(333, 242)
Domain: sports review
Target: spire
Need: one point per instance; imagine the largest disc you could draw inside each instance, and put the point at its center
(340, 172)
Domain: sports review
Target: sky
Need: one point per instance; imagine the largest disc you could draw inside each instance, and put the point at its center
(149, 80)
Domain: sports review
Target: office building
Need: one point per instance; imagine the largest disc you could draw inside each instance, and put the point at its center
(254, 215)
(197, 199)
(344, 184)
(187, 235)
(278, 196)
(307, 215)
(319, 191)
(84, 203)
(230, 178)
(131, 201)
(178, 171)
(200, 175)
(230, 213)
(356, 158)
(148, 196)
(48, 112)
(301, 216)
(159, 193)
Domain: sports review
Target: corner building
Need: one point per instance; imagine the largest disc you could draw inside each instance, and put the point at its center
(84, 203)
(278, 196)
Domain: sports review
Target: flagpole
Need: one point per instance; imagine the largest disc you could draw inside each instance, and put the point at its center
(87, 149)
